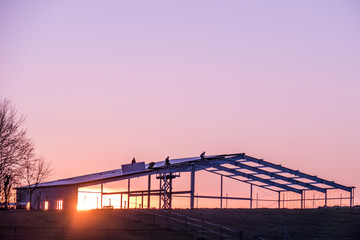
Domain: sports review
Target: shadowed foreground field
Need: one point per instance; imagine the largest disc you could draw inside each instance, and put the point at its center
(93, 224)
(324, 223)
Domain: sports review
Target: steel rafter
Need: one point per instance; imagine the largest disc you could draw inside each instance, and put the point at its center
(252, 177)
(298, 173)
(275, 175)
(234, 158)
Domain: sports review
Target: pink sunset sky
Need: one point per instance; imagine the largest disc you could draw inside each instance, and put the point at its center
(101, 82)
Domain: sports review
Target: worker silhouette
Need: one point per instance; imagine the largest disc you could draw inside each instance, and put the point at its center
(167, 161)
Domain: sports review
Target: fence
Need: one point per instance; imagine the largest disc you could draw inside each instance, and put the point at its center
(201, 228)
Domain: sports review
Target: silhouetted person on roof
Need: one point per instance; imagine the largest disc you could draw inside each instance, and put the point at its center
(167, 161)
(202, 156)
(151, 165)
(133, 161)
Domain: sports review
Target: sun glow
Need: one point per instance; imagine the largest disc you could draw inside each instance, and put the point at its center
(88, 200)
(92, 200)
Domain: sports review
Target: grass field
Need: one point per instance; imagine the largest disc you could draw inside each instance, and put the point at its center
(94, 224)
(323, 223)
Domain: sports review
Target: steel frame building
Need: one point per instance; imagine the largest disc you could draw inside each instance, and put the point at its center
(239, 167)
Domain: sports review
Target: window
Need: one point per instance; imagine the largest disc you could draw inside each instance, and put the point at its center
(59, 204)
(46, 205)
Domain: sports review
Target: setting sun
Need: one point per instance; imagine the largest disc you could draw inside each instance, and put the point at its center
(92, 200)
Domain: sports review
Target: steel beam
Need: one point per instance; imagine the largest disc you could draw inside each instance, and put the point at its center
(216, 197)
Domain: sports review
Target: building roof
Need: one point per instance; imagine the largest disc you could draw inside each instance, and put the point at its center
(238, 166)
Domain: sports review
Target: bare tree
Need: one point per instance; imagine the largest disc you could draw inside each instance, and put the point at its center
(10, 180)
(13, 146)
(36, 171)
(16, 150)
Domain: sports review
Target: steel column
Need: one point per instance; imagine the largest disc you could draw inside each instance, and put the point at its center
(353, 196)
(279, 199)
(121, 201)
(149, 189)
(221, 192)
(142, 200)
(160, 193)
(325, 198)
(128, 204)
(192, 186)
(251, 195)
(101, 200)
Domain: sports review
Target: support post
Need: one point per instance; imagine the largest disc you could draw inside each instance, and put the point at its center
(101, 191)
(192, 186)
(283, 200)
(352, 197)
(251, 195)
(302, 200)
(221, 192)
(170, 200)
(279, 199)
(149, 188)
(121, 201)
(341, 198)
(165, 193)
(325, 198)
(160, 193)
(128, 203)
(142, 200)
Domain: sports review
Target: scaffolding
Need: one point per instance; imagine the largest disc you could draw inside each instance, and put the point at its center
(166, 189)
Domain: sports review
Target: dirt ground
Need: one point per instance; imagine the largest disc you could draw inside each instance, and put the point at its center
(322, 223)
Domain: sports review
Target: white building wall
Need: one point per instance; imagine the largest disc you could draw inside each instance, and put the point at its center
(68, 195)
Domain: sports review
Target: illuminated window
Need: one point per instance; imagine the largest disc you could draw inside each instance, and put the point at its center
(59, 204)
(28, 206)
(46, 205)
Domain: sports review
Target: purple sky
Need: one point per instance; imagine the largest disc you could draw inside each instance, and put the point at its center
(101, 82)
